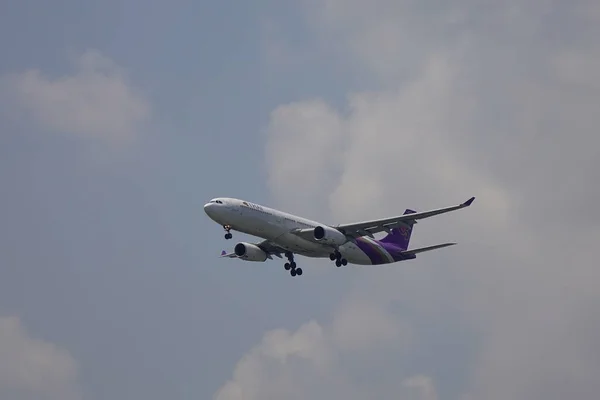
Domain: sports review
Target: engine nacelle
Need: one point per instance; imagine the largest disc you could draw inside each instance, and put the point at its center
(329, 235)
(249, 252)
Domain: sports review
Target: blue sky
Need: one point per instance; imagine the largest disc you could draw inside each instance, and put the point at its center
(120, 120)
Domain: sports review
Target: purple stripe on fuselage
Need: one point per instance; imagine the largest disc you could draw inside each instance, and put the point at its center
(374, 255)
(396, 251)
(375, 251)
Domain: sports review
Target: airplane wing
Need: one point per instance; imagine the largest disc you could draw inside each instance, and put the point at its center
(368, 228)
(267, 246)
(428, 248)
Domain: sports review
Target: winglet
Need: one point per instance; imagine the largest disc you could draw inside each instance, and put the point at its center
(223, 253)
(468, 202)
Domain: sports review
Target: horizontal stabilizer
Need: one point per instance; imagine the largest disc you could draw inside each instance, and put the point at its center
(429, 248)
(230, 255)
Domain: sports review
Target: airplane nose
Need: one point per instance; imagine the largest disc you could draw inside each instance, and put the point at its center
(207, 207)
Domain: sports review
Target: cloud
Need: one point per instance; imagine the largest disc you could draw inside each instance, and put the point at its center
(34, 369)
(95, 102)
(496, 101)
(319, 361)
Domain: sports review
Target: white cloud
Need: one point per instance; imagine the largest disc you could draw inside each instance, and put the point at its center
(96, 101)
(496, 101)
(34, 369)
(319, 361)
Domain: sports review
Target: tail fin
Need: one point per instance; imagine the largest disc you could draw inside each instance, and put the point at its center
(401, 236)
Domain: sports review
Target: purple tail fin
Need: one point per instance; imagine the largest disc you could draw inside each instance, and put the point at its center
(401, 236)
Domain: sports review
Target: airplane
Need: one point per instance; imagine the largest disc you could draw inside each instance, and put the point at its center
(345, 244)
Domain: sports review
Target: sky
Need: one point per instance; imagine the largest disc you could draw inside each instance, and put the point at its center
(120, 119)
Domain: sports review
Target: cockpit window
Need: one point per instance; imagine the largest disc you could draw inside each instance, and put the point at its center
(219, 202)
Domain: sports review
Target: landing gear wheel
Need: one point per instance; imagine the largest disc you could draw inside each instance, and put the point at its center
(337, 256)
(227, 228)
(291, 265)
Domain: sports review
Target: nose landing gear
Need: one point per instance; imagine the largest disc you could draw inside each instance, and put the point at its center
(227, 228)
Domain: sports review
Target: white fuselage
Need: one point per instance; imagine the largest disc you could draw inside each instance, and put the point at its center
(275, 226)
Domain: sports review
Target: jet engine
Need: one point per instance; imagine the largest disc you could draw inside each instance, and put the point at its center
(249, 252)
(329, 235)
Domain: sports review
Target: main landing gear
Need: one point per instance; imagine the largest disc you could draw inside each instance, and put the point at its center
(339, 261)
(291, 265)
(227, 228)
